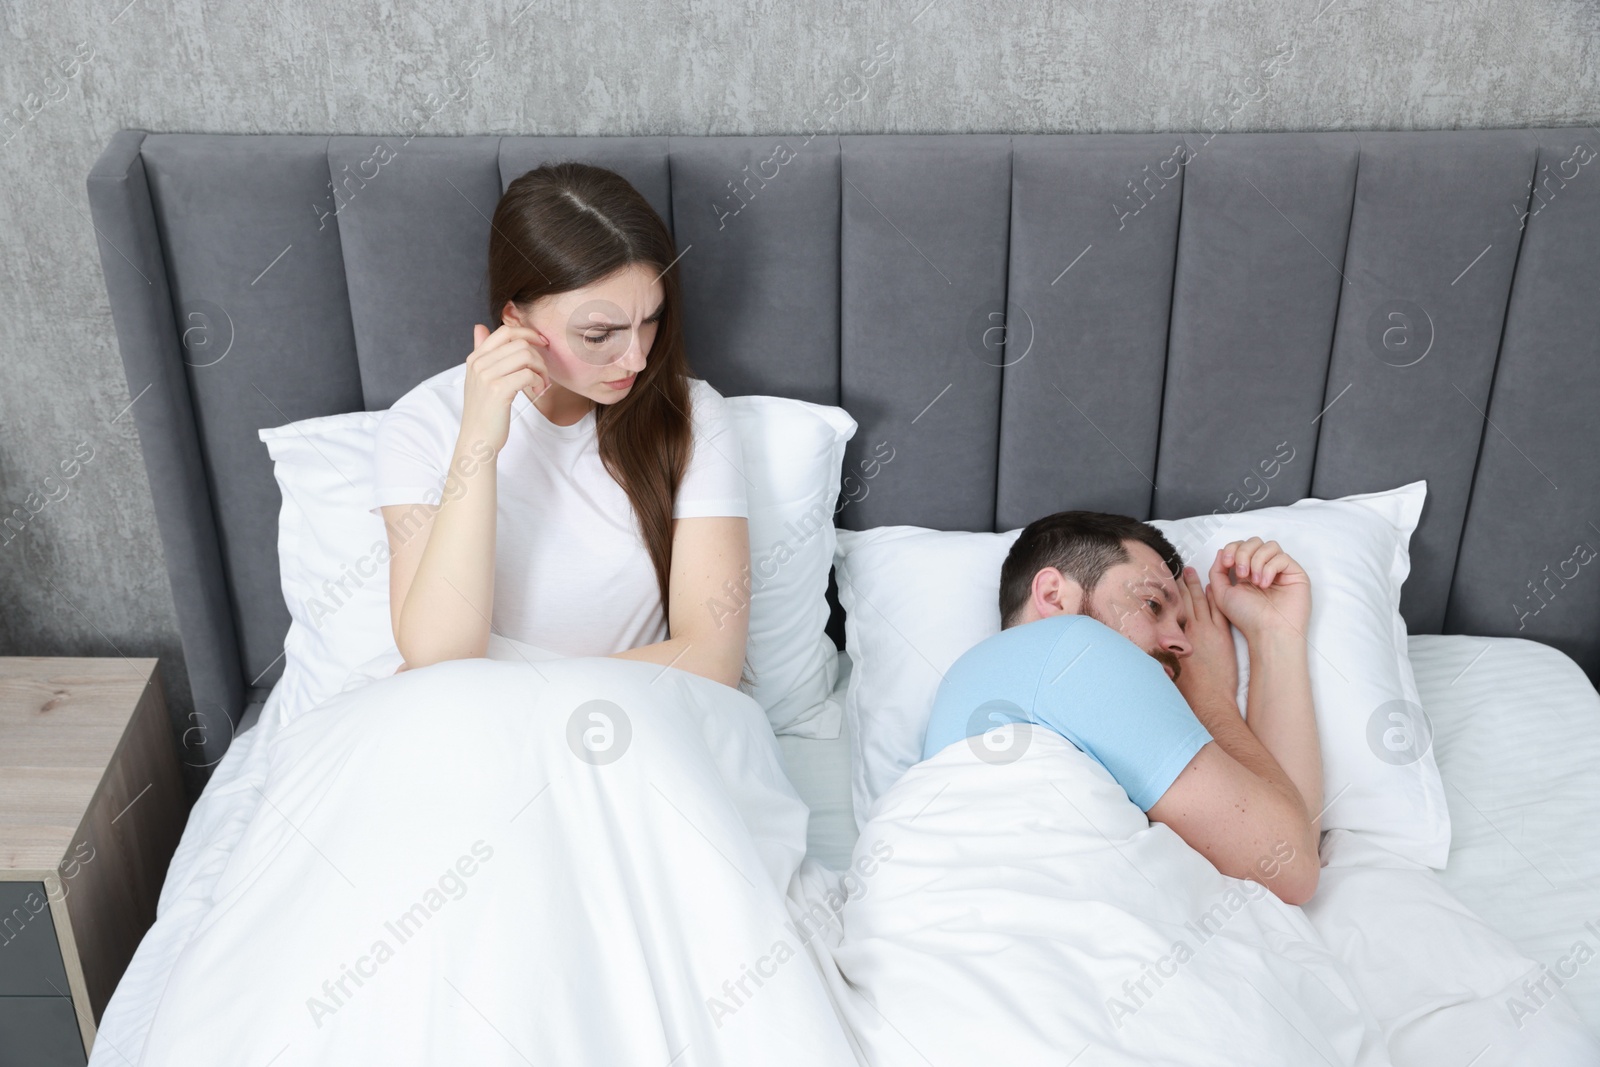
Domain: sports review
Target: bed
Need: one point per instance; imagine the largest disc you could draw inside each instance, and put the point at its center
(1281, 278)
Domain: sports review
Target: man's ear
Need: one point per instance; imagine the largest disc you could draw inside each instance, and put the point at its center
(1056, 594)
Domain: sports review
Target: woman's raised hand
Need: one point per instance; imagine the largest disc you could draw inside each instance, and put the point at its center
(502, 364)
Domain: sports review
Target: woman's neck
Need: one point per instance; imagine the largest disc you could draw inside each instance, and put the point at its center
(561, 405)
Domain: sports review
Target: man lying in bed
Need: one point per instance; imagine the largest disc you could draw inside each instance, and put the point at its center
(1108, 640)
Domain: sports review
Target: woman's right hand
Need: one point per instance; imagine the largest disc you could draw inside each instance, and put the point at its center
(502, 364)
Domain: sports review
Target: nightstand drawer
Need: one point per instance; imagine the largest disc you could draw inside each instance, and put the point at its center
(30, 958)
(91, 809)
(39, 1032)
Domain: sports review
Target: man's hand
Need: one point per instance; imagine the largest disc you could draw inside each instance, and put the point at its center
(1260, 589)
(1245, 801)
(1211, 670)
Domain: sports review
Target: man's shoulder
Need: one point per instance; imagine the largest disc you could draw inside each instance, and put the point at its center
(1034, 646)
(1001, 670)
(1040, 636)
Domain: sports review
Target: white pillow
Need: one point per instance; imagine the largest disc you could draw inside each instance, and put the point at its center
(916, 599)
(333, 557)
(794, 456)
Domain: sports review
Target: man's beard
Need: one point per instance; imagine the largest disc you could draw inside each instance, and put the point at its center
(1160, 655)
(1169, 660)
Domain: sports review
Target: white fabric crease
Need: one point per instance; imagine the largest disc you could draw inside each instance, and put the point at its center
(429, 873)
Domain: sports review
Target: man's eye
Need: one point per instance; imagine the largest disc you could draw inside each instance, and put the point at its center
(1155, 605)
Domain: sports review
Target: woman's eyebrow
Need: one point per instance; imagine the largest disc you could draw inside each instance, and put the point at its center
(654, 315)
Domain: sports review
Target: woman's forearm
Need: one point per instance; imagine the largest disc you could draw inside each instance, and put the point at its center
(707, 659)
(451, 599)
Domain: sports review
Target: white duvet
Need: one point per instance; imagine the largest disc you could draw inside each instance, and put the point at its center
(1030, 915)
(493, 862)
(425, 870)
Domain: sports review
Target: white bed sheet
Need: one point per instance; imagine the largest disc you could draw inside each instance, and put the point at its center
(1518, 773)
(1517, 737)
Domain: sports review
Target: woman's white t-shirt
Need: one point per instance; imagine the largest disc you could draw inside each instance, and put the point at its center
(572, 573)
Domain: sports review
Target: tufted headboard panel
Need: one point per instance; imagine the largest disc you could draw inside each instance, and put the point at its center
(1126, 322)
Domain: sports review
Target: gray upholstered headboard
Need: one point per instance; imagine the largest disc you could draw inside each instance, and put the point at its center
(1173, 306)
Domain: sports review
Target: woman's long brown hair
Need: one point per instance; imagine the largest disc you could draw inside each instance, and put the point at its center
(566, 225)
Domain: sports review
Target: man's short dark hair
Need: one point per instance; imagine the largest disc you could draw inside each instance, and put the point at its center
(1082, 545)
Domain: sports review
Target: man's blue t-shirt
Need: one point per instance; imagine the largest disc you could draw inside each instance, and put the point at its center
(1082, 680)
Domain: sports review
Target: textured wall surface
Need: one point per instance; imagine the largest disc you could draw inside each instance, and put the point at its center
(84, 575)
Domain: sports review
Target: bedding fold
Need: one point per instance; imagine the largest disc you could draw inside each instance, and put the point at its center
(1026, 913)
(1446, 986)
(577, 861)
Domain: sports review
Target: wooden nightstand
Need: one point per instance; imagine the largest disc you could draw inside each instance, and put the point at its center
(91, 809)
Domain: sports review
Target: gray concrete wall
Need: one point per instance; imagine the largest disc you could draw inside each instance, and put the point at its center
(85, 576)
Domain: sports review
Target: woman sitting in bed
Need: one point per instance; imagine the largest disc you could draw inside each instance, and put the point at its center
(521, 849)
(570, 478)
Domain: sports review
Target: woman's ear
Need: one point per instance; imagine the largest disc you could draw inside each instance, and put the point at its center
(511, 315)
